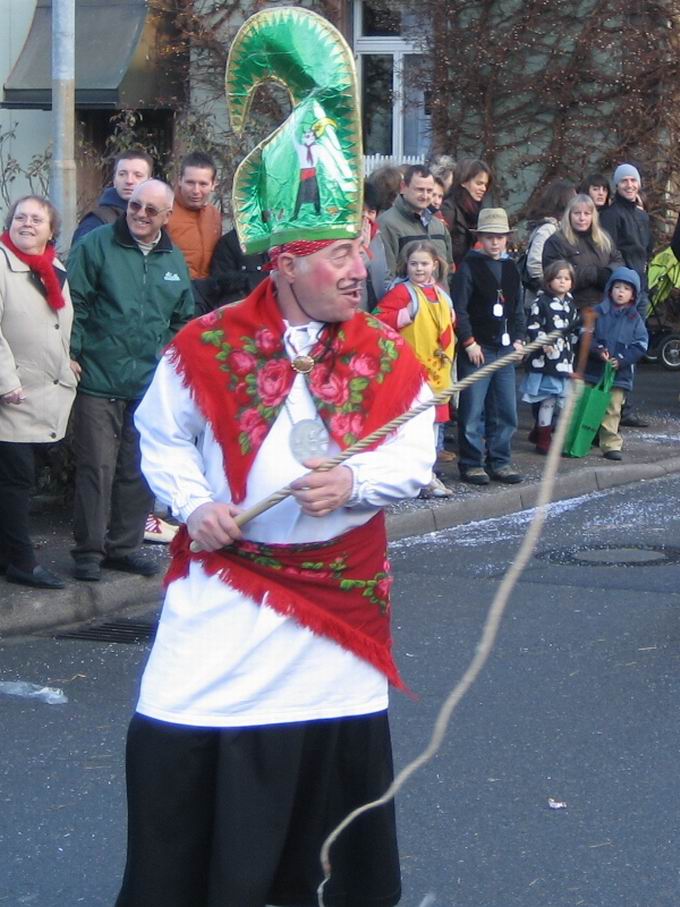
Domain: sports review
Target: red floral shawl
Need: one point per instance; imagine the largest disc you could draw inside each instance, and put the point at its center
(339, 589)
(234, 362)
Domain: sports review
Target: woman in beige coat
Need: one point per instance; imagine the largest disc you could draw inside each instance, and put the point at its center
(37, 379)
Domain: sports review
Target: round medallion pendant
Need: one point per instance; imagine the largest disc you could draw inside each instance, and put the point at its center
(303, 364)
(308, 440)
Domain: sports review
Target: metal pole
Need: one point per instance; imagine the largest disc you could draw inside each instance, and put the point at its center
(63, 170)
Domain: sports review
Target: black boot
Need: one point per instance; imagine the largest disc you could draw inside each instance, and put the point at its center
(532, 437)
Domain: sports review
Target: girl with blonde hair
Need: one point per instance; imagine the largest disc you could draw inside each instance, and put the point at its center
(421, 310)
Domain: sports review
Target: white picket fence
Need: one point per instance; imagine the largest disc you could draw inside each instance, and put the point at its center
(373, 161)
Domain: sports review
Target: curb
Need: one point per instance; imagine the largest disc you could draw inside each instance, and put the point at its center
(484, 506)
(39, 611)
(36, 610)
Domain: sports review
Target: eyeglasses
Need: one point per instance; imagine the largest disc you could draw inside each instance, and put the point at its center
(35, 219)
(151, 210)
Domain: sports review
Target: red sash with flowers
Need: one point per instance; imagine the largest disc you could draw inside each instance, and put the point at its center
(234, 363)
(339, 589)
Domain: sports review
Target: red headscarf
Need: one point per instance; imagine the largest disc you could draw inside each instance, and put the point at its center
(300, 247)
(43, 266)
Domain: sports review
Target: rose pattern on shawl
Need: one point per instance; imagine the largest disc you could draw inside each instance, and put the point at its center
(329, 388)
(242, 363)
(259, 376)
(253, 429)
(376, 588)
(210, 319)
(273, 382)
(364, 365)
(345, 417)
(267, 342)
(264, 555)
(344, 424)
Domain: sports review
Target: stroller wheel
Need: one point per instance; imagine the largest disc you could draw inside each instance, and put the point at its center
(669, 352)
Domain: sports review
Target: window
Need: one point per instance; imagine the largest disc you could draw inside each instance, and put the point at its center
(394, 92)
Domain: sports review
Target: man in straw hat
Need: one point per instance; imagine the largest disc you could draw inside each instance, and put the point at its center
(490, 317)
(262, 717)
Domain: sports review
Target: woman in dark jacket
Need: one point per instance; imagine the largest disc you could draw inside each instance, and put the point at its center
(472, 179)
(587, 247)
(596, 185)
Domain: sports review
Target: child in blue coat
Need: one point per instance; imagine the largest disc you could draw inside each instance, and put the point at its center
(619, 337)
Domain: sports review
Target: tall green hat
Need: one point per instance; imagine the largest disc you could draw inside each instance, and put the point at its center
(304, 181)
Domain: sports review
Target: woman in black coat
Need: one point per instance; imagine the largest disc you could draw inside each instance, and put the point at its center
(472, 179)
(587, 247)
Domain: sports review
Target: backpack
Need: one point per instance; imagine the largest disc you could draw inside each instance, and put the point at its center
(528, 282)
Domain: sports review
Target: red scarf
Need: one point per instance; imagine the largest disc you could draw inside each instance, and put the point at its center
(234, 362)
(43, 266)
(339, 589)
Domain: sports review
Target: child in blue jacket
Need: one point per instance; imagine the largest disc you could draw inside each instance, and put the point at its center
(619, 337)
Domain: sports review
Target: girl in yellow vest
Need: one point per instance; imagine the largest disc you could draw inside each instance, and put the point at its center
(421, 310)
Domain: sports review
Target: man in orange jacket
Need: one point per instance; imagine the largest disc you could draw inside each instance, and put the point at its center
(195, 224)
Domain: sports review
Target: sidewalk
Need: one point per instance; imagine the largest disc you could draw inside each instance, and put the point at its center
(648, 454)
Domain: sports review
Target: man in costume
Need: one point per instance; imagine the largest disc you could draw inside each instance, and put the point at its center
(262, 716)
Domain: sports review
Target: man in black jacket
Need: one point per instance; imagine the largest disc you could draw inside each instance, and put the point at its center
(233, 273)
(628, 225)
(130, 169)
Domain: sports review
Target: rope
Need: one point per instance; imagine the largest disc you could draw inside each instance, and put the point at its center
(486, 643)
(441, 397)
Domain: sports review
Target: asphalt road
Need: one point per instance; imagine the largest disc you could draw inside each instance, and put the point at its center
(578, 702)
(656, 389)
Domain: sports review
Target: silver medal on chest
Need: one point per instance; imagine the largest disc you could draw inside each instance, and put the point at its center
(308, 440)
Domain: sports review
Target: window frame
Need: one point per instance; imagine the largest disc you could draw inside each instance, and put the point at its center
(397, 48)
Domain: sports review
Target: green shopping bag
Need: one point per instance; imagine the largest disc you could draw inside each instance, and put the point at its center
(588, 414)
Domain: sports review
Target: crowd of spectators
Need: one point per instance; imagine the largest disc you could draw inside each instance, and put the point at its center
(583, 241)
(148, 257)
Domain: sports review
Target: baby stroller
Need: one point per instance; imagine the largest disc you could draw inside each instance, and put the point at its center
(663, 319)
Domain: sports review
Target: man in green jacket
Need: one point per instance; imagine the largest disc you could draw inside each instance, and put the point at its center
(131, 293)
(410, 219)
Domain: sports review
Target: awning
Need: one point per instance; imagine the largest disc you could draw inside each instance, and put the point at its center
(121, 58)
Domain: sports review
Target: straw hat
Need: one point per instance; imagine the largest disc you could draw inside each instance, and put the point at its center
(493, 220)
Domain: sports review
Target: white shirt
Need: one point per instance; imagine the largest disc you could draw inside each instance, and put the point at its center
(220, 659)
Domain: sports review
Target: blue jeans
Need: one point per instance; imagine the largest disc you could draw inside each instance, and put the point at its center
(487, 414)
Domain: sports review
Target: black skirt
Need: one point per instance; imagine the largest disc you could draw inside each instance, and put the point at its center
(236, 817)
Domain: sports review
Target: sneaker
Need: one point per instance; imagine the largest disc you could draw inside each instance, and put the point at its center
(506, 474)
(613, 455)
(436, 489)
(474, 476)
(446, 456)
(157, 530)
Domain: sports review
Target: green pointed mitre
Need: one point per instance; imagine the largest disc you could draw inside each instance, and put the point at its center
(305, 180)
